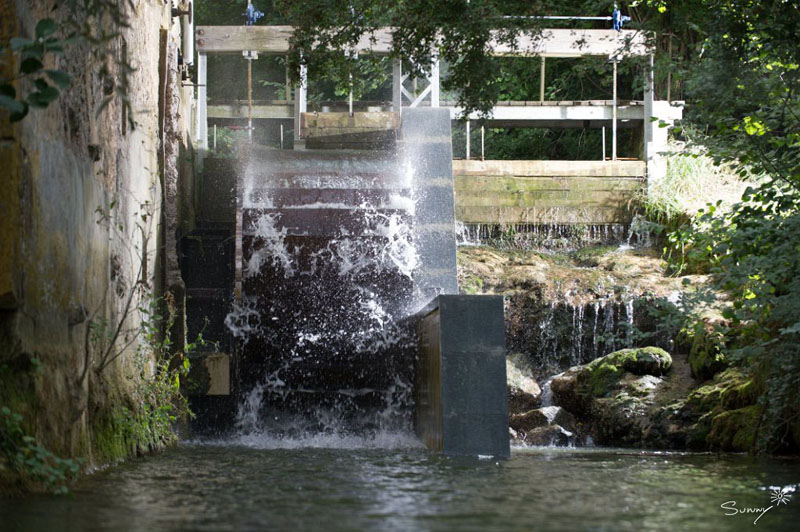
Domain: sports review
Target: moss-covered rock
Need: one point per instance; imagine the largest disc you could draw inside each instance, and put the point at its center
(694, 422)
(729, 390)
(638, 360)
(705, 356)
(734, 430)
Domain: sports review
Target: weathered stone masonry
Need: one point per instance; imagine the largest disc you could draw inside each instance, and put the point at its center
(88, 211)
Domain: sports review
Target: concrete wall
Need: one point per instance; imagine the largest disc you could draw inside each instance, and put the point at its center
(461, 398)
(546, 192)
(427, 152)
(84, 201)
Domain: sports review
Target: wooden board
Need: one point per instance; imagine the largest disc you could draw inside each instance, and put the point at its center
(270, 40)
(509, 185)
(550, 168)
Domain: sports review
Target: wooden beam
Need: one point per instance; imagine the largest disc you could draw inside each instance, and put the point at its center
(576, 43)
(272, 39)
(550, 43)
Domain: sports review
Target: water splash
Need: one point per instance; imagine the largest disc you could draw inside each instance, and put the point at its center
(328, 277)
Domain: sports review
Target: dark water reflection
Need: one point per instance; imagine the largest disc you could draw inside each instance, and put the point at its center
(272, 485)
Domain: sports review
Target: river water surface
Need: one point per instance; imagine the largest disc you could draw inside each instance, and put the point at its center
(390, 483)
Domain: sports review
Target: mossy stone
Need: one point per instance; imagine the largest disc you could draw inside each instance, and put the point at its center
(705, 357)
(638, 360)
(735, 430)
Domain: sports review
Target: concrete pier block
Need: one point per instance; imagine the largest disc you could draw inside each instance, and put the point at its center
(428, 151)
(461, 397)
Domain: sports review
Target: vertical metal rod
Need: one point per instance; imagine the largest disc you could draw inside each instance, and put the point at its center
(350, 100)
(397, 83)
(202, 109)
(435, 83)
(468, 140)
(614, 117)
(288, 90)
(604, 143)
(250, 98)
(669, 69)
(541, 81)
(281, 142)
(215, 137)
(483, 143)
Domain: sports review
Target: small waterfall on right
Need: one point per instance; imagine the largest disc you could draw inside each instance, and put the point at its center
(568, 333)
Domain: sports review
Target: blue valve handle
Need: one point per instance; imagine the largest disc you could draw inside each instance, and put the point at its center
(252, 15)
(619, 19)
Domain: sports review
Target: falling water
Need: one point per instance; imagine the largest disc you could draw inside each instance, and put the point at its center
(328, 260)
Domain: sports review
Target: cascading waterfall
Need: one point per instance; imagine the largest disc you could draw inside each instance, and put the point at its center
(568, 332)
(327, 277)
(550, 236)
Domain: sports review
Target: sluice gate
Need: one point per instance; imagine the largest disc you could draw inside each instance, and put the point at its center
(337, 258)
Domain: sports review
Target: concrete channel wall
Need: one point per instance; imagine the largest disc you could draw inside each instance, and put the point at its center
(546, 192)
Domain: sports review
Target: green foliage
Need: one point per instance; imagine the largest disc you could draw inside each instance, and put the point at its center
(47, 83)
(159, 389)
(753, 252)
(29, 460)
(228, 140)
(95, 23)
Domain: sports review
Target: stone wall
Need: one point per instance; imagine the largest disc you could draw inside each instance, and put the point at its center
(89, 205)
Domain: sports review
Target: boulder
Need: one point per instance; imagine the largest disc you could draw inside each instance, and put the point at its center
(566, 391)
(549, 436)
(639, 360)
(714, 416)
(524, 393)
(614, 394)
(542, 417)
(734, 430)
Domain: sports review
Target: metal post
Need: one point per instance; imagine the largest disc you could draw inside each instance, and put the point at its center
(249, 97)
(483, 143)
(468, 140)
(215, 137)
(614, 117)
(288, 90)
(541, 81)
(281, 141)
(669, 70)
(604, 143)
(435, 83)
(397, 85)
(300, 101)
(202, 110)
(350, 99)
